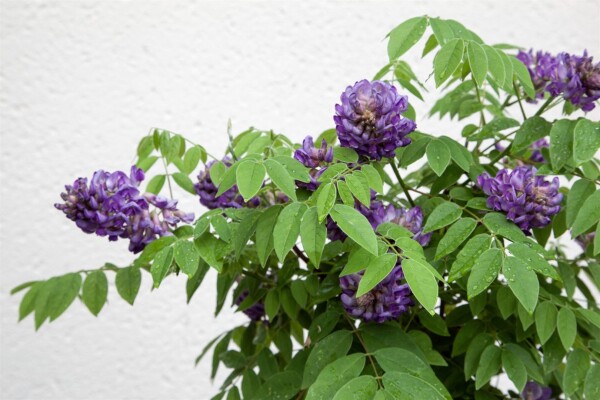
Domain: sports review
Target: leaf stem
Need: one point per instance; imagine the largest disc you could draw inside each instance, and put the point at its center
(402, 184)
(519, 100)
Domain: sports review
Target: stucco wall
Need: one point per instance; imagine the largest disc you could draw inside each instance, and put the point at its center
(82, 81)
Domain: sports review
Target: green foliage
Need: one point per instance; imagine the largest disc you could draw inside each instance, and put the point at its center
(486, 296)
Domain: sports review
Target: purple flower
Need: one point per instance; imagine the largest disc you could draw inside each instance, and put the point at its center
(369, 119)
(576, 78)
(378, 213)
(385, 302)
(527, 199)
(542, 67)
(534, 391)
(586, 239)
(207, 191)
(111, 205)
(315, 158)
(256, 311)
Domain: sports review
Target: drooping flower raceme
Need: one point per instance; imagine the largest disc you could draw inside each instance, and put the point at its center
(315, 158)
(576, 78)
(369, 119)
(385, 302)
(528, 200)
(534, 391)
(207, 190)
(111, 205)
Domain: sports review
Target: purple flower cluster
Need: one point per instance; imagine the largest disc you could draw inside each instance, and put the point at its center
(378, 213)
(534, 391)
(256, 311)
(207, 191)
(315, 158)
(536, 151)
(576, 78)
(527, 199)
(385, 302)
(112, 205)
(369, 119)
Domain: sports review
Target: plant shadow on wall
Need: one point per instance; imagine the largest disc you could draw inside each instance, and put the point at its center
(361, 280)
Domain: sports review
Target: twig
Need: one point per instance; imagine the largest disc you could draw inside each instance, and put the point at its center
(404, 187)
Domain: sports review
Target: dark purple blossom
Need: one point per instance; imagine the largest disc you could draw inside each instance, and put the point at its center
(207, 191)
(385, 302)
(536, 147)
(369, 119)
(534, 391)
(112, 205)
(315, 158)
(527, 199)
(576, 78)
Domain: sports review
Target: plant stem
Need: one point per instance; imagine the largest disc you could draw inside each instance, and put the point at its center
(519, 100)
(300, 254)
(544, 106)
(168, 176)
(402, 184)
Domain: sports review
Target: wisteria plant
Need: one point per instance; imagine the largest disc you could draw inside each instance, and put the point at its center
(375, 260)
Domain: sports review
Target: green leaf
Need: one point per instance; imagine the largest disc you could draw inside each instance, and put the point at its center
(325, 200)
(362, 388)
(145, 147)
(184, 182)
(405, 35)
(345, 154)
(335, 375)
(522, 281)
(566, 324)
(313, 234)
(580, 191)
(478, 61)
(324, 352)
(128, 281)
(281, 178)
(358, 260)
(298, 171)
(465, 336)
(443, 215)
(156, 184)
(244, 231)
(507, 302)
(379, 336)
(359, 186)
(495, 64)
(393, 359)
(467, 256)
(250, 176)
(515, 369)
(586, 140)
(561, 143)
(591, 389)
(545, 320)
(578, 364)
(210, 249)
(95, 291)
(192, 158)
(438, 156)
(272, 304)
(533, 260)
(422, 283)
(280, 386)
(484, 271)
(499, 225)
(264, 233)
(356, 226)
(442, 31)
(146, 163)
(228, 179)
(455, 235)
(447, 60)
(287, 229)
(523, 76)
(376, 271)
(65, 292)
(345, 193)
(186, 256)
(489, 364)
(533, 129)
(459, 153)
(588, 215)
(400, 385)
(373, 177)
(474, 352)
(160, 266)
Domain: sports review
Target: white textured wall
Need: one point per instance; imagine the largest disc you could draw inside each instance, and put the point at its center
(82, 81)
